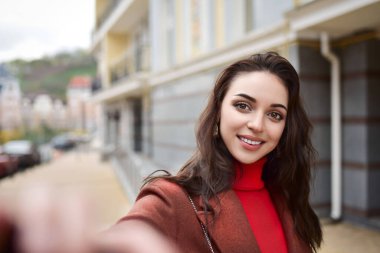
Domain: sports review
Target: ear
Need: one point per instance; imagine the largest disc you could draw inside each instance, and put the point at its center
(218, 118)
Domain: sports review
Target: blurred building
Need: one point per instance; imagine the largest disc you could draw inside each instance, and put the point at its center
(43, 105)
(81, 110)
(10, 101)
(158, 60)
(59, 117)
(42, 109)
(27, 117)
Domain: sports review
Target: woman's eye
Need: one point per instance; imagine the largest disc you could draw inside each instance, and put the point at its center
(242, 106)
(276, 116)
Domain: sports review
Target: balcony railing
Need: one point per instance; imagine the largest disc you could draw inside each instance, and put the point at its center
(135, 60)
(299, 3)
(112, 4)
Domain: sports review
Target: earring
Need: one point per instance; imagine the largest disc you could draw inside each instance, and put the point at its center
(216, 130)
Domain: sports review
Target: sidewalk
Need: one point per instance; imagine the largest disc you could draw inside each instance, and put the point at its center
(84, 172)
(347, 238)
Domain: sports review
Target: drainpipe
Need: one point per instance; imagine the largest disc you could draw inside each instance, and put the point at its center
(336, 130)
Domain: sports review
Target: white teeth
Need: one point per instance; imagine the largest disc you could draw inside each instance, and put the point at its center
(250, 141)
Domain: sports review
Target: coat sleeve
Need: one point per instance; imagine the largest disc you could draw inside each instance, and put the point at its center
(166, 207)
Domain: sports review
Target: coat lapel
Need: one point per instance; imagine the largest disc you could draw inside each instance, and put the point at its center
(232, 218)
(295, 244)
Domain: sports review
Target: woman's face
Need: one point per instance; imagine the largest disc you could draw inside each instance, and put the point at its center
(253, 115)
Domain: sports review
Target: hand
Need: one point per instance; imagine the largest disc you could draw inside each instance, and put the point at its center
(134, 236)
(44, 221)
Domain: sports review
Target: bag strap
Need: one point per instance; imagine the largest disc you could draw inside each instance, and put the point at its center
(204, 229)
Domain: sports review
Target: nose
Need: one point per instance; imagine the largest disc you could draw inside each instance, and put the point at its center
(256, 122)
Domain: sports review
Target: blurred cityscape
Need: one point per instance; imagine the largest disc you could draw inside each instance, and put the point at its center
(34, 122)
(156, 61)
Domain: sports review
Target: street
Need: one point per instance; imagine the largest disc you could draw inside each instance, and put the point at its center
(83, 172)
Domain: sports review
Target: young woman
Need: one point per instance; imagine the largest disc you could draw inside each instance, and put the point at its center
(246, 188)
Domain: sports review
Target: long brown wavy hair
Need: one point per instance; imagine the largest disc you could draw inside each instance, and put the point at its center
(288, 168)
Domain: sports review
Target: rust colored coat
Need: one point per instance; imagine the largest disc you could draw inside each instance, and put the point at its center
(165, 206)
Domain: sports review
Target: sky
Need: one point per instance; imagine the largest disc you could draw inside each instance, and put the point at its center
(31, 29)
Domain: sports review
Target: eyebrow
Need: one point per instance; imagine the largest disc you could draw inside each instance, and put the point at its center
(253, 100)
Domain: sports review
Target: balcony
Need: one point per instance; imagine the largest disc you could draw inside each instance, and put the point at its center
(119, 17)
(134, 61)
(341, 19)
(112, 5)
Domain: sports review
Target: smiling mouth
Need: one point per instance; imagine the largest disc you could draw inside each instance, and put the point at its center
(250, 142)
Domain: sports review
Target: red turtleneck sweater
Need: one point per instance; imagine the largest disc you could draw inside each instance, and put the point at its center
(258, 206)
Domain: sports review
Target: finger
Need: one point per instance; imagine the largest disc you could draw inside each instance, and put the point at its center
(134, 237)
(34, 218)
(75, 222)
(53, 222)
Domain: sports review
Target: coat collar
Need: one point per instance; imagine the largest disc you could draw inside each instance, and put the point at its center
(232, 218)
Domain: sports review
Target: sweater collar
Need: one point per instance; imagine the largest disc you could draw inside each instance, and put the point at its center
(248, 176)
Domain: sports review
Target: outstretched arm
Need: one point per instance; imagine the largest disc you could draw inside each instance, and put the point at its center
(47, 223)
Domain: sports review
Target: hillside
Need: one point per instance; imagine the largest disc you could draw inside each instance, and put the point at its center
(52, 74)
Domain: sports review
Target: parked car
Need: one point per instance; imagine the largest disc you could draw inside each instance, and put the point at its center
(25, 151)
(80, 137)
(8, 165)
(63, 142)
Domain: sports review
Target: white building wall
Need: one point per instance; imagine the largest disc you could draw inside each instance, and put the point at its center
(43, 107)
(269, 12)
(10, 103)
(158, 61)
(80, 109)
(186, 36)
(207, 13)
(234, 20)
